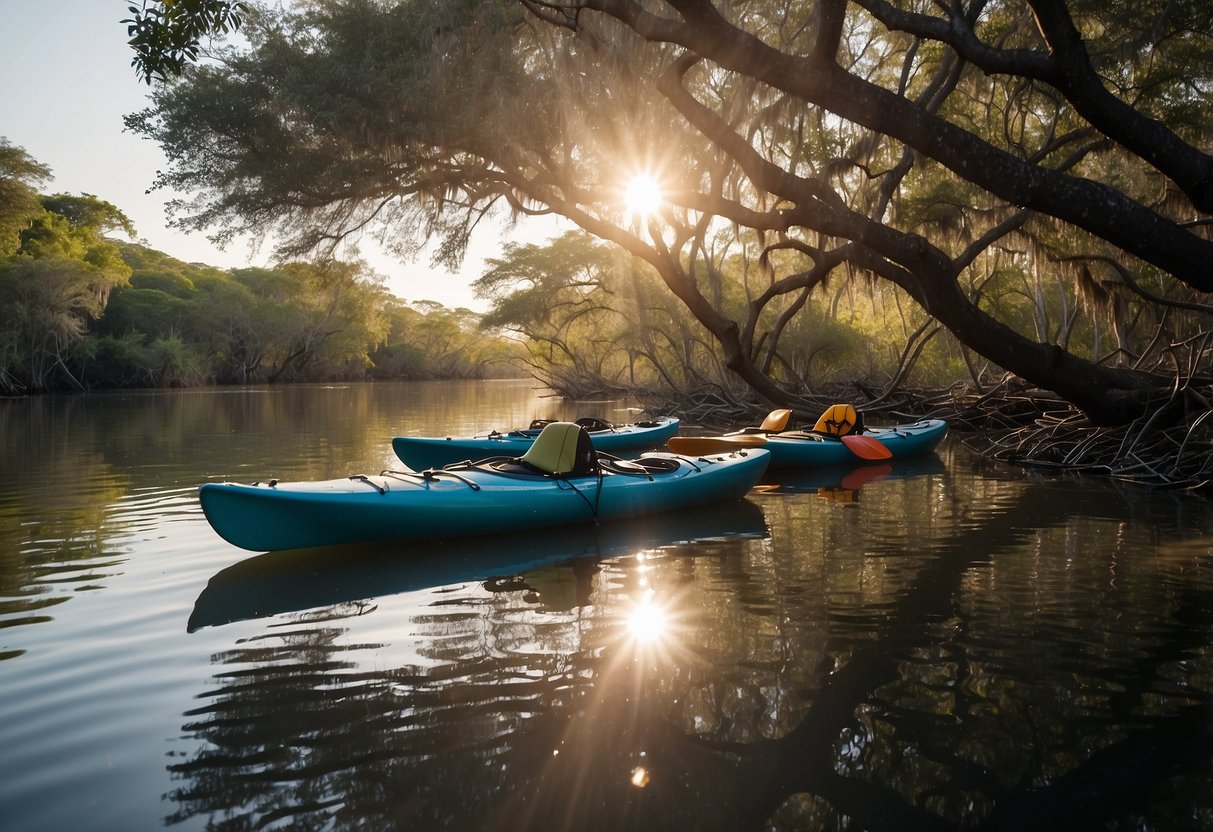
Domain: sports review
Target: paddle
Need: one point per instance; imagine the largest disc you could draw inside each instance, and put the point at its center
(865, 447)
(700, 445)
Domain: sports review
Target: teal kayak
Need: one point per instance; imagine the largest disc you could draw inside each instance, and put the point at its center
(802, 448)
(420, 452)
(276, 583)
(469, 499)
(792, 449)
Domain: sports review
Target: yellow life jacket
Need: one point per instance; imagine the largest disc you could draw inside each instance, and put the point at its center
(838, 420)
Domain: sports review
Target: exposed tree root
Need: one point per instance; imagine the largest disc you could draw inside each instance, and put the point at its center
(1144, 452)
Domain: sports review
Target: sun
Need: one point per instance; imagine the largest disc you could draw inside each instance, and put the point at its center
(642, 197)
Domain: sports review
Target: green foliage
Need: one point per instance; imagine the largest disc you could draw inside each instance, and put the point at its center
(109, 361)
(529, 282)
(180, 324)
(175, 362)
(1156, 53)
(70, 319)
(166, 35)
(55, 236)
(45, 305)
(170, 283)
(56, 283)
(85, 211)
(349, 107)
(20, 176)
(429, 340)
(589, 318)
(399, 361)
(149, 312)
(79, 309)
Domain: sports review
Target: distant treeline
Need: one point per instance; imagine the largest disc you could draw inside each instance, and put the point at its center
(179, 324)
(80, 310)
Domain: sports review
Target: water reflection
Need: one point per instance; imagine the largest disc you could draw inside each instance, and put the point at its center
(299, 724)
(84, 476)
(1017, 655)
(964, 646)
(647, 622)
(55, 531)
(850, 477)
(552, 567)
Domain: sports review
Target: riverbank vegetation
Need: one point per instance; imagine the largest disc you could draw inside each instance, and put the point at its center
(82, 310)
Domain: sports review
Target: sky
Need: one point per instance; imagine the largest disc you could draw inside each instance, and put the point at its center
(66, 81)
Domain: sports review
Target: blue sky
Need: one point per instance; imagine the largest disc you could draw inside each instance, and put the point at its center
(65, 84)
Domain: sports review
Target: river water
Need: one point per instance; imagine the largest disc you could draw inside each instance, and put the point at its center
(936, 644)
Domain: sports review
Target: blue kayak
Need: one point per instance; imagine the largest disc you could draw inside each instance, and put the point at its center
(537, 490)
(792, 449)
(802, 448)
(420, 452)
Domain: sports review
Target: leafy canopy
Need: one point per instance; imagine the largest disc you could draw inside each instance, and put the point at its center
(167, 34)
(20, 177)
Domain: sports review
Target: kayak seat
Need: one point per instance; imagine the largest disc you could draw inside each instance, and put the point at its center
(645, 466)
(839, 420)
(562, 449)
(591, 423)
(776, 421)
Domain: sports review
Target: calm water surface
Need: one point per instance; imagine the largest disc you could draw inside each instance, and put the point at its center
(941, 645)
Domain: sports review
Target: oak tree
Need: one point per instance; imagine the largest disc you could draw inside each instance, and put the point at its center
(953, 152)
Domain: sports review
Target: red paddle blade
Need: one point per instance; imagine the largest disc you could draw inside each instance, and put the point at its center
(865, 447)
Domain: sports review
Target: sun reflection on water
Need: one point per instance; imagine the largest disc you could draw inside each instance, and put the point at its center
(652, 623)
(647, 622)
